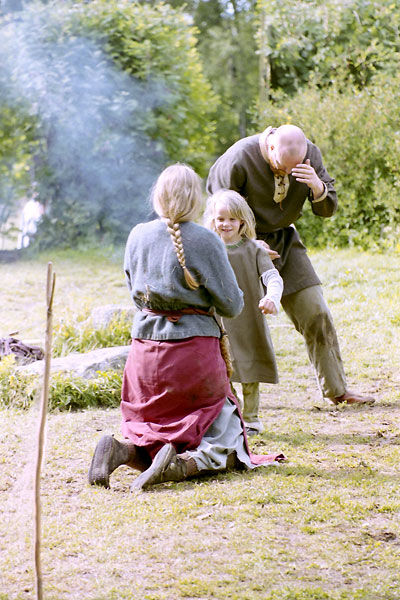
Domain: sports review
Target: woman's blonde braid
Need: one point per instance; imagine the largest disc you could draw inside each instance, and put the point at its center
(175, 232)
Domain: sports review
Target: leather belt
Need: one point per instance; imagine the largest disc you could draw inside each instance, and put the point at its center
(175, 315)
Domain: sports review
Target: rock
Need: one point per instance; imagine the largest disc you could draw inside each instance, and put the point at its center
(101, 316)
(83, 365)
(12, 255)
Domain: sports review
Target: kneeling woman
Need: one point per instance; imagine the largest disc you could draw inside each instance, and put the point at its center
(179, 417)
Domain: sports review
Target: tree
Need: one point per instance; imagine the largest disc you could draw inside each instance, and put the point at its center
(346, 41)
(330, 67)
(117, 91)
(358, 133)
(227, 46)
(17, 142)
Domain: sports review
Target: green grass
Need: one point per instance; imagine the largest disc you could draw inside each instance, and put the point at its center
(83, 281)
(323, 526)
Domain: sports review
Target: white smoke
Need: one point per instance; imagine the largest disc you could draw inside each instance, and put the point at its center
(94, 117)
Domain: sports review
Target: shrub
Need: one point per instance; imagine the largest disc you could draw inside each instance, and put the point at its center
(76, 334)
(16, 390)
(79, 393)
(358, 132)
(111, 90)
(19, 391)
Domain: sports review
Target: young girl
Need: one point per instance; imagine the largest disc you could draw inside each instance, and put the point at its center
(179, 417)
(251, 346)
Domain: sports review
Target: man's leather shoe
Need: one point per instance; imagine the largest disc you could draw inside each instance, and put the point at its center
(352, 398)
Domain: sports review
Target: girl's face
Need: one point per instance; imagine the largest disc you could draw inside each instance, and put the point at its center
(226, 225)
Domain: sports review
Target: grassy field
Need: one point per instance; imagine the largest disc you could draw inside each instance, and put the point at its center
(324, 525)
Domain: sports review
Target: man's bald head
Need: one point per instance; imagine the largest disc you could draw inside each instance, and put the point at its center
(286, 147)
(290, 144)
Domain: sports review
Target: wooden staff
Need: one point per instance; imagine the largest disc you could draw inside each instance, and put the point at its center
(51, 280)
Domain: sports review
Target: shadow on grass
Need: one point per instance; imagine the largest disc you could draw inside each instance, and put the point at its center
(345, 474)
(327, 407)
(352, 439)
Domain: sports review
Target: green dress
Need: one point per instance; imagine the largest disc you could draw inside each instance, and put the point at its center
(250, 340)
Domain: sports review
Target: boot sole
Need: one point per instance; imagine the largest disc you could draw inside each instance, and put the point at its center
(98, 472)
(162, 459)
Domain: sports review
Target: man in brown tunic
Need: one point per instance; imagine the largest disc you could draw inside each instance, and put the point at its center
(277, 171)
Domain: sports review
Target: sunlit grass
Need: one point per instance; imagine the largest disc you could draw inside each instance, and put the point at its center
(323, 526)
(83, 281)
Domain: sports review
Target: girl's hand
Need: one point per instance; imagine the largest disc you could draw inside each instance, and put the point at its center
(267, 307)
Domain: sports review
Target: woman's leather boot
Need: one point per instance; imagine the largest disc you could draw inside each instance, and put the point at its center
(166, 466)
(111, 454)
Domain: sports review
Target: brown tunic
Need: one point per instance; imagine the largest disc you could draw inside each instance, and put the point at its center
(251, 345)
(243, 168)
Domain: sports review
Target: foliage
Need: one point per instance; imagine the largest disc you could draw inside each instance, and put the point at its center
(17, 141)
(16, 391)
(358, 132)
(231, 64)
(144, 98)
(77, 334)
(332, 67)
(156, 43)
(228, 49)
(117, 91)
(324, 39)
(66, 392)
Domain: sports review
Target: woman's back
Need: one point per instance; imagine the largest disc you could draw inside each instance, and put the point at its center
(156, 280)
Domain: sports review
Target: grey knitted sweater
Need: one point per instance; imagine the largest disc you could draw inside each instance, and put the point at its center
(155, 280)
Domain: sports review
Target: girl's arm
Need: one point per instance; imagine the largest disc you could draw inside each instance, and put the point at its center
(274, 286)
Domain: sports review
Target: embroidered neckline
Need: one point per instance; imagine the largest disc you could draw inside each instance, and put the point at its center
(239, 243)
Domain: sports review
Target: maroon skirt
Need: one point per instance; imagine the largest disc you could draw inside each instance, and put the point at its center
(172, 391)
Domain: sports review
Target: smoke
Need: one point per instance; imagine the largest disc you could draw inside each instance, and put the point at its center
(98, 154)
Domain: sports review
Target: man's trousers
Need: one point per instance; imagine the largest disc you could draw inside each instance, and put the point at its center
(310, 315)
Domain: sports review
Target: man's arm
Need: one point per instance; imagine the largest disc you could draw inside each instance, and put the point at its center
(322, 193)
(305, 173)
(226, 173)
(271, 253)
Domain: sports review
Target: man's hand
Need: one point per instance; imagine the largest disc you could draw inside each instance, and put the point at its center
(305, 173)
(272, 254)
(267, 307)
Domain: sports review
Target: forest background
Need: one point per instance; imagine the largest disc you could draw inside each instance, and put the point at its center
(97, 96)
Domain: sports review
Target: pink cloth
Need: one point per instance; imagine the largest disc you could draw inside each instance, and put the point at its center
(172, 391)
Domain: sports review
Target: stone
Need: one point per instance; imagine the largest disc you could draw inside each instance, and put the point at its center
(101, 316)
(83, 365)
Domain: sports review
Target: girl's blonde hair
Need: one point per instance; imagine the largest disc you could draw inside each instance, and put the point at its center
(176, 198)
(238, 209)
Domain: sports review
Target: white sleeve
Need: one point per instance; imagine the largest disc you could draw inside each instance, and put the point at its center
(274, 285)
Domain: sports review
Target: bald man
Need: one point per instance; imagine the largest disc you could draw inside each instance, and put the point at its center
(277, 171)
